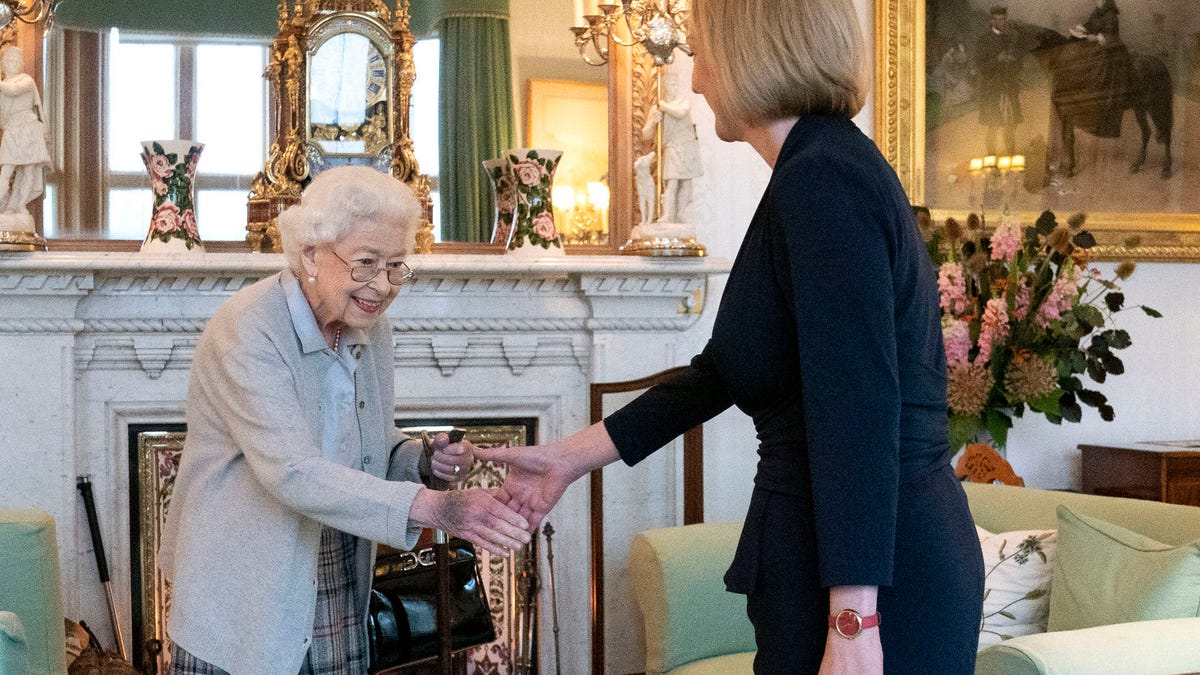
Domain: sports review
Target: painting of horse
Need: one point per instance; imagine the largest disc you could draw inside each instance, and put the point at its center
(1083, 98)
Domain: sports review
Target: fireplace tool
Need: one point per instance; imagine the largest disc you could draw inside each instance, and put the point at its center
(549, 532)
(84, 485)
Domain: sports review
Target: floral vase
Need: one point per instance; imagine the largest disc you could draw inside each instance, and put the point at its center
(504, 197)
(172, 168)
(531, 172)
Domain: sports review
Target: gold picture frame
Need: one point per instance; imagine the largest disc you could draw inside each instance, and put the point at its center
(900, 132)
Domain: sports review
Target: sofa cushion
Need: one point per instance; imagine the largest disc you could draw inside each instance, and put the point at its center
(29, 586)
(1018, 566)
(1140, 648)
(741, 663)
(1105, 574)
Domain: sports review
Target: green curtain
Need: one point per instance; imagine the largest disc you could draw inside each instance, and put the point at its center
(475, 116)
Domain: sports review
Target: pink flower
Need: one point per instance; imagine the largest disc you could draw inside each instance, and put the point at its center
(994, 330)
(1021, 302)
(157, 184)
(1006, 240)
(956, 335)
(1060, 299)
(528, 172)
(189, 224)
(166, 217)
(952, 286)
(543, 226)
(159, 166)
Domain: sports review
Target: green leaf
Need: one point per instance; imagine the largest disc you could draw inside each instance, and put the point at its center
(1093, 398)
(1006, 614)
(1037, 592)
(1113, 363)
(1096, 371)
(1152, 312)
(1089, 315)
(1084, 239)
(961, 430)
(1046, 223)
(1070, 410)
(998, 425)
(1114, 301)
(1106, 413)
(1047, 403)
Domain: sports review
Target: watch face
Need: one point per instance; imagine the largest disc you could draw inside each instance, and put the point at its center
(849, 623)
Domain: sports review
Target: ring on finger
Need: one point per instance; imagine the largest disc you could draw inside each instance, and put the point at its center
(457, 468)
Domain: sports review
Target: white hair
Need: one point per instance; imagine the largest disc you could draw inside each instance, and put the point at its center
(340, 198)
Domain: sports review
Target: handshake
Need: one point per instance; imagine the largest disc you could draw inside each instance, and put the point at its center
(501, 519)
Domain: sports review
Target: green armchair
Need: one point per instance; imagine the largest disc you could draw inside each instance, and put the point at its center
(32, 638)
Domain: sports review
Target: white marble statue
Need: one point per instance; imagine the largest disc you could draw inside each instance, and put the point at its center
(23, 153)
(680, 150)
(644, 181)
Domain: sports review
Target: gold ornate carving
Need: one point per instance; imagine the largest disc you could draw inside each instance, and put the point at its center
(900, 135)
(303, 27)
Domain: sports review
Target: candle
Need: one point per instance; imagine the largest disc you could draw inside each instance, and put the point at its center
(1004, 162)
(989, 161)
(976, 164)
(578, 21)
(1018, 162)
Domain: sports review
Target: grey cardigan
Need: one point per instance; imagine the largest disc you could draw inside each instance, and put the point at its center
(253, 491)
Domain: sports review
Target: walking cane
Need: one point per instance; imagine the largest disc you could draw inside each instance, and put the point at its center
(84, 485)
(441, 548)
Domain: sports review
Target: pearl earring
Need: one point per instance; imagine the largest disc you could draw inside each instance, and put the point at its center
(312, 279)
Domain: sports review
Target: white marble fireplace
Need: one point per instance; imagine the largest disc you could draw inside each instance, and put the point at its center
(92, 343)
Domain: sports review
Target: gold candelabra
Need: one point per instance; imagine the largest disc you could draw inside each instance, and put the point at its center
(28, 11)
(657, 25)
(583, 212)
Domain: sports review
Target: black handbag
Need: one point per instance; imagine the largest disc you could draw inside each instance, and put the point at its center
(402, 622)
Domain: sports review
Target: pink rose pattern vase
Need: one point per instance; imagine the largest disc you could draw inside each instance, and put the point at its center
(172, 168)
(531, 172)
(504, 196)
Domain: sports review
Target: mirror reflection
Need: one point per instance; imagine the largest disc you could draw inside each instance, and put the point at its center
(99, 191)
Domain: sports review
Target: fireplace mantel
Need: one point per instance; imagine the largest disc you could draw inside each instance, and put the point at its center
(93, 343)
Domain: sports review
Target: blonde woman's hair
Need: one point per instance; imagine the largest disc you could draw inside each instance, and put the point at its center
(340, 198)
(772, 59)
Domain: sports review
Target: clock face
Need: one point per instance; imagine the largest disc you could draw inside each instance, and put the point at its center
(377, 84)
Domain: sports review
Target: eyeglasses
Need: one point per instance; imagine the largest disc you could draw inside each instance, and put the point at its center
(397, 275)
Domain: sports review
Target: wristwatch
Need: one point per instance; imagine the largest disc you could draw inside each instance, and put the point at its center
(849, 623)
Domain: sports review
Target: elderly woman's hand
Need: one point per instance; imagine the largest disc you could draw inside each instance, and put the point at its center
(475, 515)
(451, 462)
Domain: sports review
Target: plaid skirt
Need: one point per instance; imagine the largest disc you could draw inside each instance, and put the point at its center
(339, 645)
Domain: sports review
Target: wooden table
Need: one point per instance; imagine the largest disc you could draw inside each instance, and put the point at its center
(1168, 471)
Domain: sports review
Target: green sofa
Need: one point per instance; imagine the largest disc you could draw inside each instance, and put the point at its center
(694, 627)
(32, 638)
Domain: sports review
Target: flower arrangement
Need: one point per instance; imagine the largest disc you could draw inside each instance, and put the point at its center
(1024, 316)
(171, 174)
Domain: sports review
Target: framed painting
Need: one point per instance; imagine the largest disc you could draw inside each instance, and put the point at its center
(1060, 126)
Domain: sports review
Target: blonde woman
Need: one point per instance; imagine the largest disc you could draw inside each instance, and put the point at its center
(858, 553)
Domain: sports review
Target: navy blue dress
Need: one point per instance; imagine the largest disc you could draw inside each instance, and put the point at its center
(828, 335)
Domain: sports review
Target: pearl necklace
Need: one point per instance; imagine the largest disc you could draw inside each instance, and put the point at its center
(337, 339)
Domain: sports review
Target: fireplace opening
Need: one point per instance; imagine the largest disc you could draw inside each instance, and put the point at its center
(510, 582)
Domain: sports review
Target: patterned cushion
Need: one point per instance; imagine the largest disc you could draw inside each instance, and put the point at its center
(1018, 566)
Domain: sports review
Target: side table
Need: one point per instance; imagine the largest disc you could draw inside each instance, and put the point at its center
(1165, 472)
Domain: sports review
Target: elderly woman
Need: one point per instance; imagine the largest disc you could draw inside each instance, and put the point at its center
(858, 552)
(292, 465)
